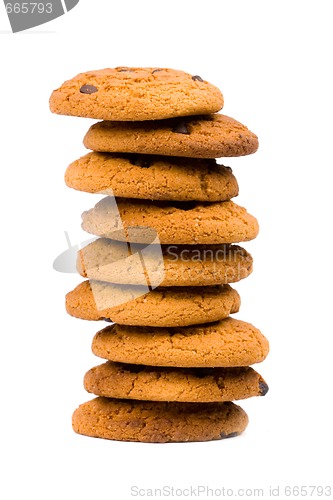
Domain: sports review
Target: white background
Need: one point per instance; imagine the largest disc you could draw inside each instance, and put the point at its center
(272, 61)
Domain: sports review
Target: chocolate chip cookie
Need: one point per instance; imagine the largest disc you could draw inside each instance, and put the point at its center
(226, 343)
(200, 385)
(129, 94)
(169, 265)
(158, 422)
(210, 136)
(172, 306)
(152, 178)
(188, 223)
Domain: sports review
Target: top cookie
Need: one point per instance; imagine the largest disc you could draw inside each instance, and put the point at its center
(129, 94)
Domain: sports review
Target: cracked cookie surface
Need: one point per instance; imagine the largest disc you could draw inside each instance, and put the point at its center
(172, 306)
(169, 265)
(152, 178)
(116, 380)
(158, 422)
(210, 136)
(128, 94)
(226, 343)
(139, 221)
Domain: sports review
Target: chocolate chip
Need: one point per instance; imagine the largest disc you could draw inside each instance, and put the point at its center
(181, 128)
(141, 162)
(231, 435)
(210, 162)
(263, 388)
(197, 78)
(145, 164)
(156, 71)
(108, 320)
(88, 89)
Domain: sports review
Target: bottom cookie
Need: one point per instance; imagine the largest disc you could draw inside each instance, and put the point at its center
(158, 422)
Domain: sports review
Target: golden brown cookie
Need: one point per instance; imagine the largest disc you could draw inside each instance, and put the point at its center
(158, 422)
(152, 178)
(135, 94)
(210, 136)
(170, 265)
(226, 343)
(186, 223)
(172, 306)
(196, 385)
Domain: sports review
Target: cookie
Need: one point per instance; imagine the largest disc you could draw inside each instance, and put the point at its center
(201, 385)
(128, 94)
(152, 178)
(185, 223)
(226, 343)
(158, 422)
(210, 136)
(172, 306)
(169, 265)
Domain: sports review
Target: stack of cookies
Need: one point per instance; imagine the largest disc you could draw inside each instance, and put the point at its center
(166, 253)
